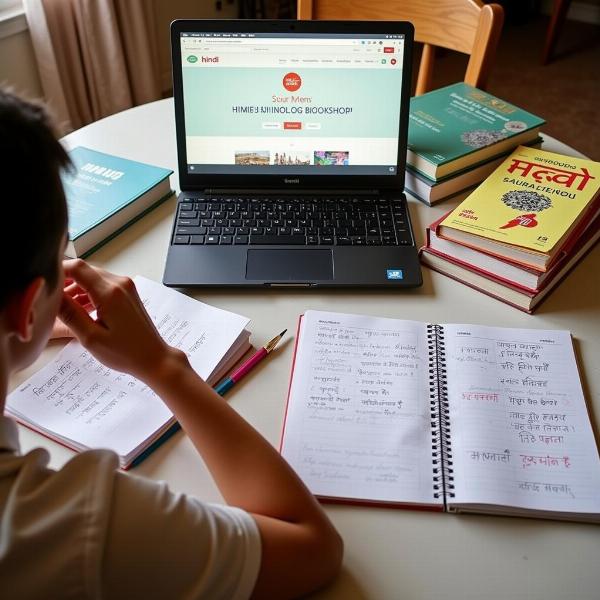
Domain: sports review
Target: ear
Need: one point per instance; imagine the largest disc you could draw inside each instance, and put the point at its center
(22, 310)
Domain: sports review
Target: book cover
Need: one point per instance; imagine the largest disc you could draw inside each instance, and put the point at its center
(532, 201)
(458, 120)
(102, 185)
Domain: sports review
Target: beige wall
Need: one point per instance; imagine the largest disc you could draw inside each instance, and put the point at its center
(17, 61)
(17, 65)
(169, 10)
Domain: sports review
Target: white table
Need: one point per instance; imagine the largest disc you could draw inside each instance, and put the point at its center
(389, 553)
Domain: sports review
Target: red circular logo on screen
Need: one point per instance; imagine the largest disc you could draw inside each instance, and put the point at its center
(292, 82)
(393, 61)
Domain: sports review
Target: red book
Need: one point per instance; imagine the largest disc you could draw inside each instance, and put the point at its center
(508, 290)
(505, 271)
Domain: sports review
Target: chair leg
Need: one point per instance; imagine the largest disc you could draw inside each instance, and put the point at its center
(425, 70)
(559, 14)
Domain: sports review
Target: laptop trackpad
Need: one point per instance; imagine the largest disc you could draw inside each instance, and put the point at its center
(289, 265)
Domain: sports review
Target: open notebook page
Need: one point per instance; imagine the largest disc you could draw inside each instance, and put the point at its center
(76, 398)
(521, 435)
(358, 421)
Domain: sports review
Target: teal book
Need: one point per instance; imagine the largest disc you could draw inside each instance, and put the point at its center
(458, 126)
(105, 194)
(431, 191)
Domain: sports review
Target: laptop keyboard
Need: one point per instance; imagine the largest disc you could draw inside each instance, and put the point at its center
(301, 221)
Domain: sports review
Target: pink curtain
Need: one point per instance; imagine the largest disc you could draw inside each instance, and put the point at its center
(95, 57)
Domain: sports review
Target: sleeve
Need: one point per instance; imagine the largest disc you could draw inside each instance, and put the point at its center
(164, 545)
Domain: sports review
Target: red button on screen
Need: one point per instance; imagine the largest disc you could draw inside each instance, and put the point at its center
(388, 49)
(292, 125)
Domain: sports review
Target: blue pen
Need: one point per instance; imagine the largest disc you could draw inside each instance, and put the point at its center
(221, 389)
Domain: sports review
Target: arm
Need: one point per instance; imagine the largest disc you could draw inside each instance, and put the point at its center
(301, 549)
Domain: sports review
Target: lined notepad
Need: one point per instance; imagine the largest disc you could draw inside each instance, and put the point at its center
(454, 417)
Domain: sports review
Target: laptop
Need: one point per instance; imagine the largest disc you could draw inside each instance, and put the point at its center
(291, 141)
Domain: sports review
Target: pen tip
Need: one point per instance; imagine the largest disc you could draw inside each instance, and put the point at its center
(271, 345)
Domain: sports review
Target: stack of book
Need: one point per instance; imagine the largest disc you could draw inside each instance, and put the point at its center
(521, 231)
(457, 136)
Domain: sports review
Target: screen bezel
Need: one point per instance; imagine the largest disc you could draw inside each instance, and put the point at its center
(202, 181)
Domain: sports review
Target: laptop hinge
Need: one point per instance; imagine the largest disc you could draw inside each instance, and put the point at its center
(291, 192)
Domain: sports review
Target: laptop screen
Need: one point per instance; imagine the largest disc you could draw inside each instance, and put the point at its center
(291, 103)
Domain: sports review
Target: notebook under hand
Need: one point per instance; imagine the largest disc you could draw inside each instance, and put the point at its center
(291, 141)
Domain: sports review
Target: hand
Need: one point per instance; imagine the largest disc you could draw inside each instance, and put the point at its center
(60, 330)
(122, 336)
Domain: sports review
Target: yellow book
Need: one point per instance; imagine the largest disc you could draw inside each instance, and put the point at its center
(527, 208)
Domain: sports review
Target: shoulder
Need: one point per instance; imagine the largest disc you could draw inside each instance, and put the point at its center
(59, 500)
(90, 519)
(54, 521)
(31, 482)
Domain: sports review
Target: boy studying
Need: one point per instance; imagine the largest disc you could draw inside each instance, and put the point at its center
(90, 529)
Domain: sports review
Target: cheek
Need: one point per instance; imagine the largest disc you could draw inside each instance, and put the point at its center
(57, 294)
(50, 309)
(55, 300)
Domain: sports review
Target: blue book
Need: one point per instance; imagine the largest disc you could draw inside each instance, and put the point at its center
(107, 193)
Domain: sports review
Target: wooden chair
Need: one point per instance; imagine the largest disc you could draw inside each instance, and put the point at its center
(468, 26)
(557, 21)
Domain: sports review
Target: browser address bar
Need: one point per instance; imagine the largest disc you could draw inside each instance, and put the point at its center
(278, 41)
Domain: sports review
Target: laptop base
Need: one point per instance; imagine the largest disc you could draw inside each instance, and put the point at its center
(242, 266)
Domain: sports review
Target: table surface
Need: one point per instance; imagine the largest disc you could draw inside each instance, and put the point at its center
(388, 553)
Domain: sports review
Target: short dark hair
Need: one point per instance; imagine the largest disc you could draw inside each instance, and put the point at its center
(33, 208)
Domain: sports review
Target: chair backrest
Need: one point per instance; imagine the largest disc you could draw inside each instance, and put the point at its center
(468, 26)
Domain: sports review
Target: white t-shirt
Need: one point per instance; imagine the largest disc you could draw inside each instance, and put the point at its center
(92, 531)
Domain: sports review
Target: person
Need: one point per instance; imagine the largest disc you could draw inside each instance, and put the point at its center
(89, 529)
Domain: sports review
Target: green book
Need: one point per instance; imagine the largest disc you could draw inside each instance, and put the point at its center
(431, 191)
(458, 126)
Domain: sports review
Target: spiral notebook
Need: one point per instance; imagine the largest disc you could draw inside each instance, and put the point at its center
(442, 417)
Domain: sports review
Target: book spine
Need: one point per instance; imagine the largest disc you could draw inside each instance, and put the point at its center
(441, 444)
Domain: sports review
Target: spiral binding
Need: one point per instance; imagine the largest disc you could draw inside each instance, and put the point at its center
(441, 444)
